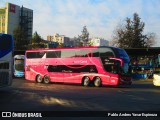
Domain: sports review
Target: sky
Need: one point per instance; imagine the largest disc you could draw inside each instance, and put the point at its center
(101, 17)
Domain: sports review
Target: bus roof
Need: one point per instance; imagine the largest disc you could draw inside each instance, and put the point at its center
(18, 55)
(71, 48)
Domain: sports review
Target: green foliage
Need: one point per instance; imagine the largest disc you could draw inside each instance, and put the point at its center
(37, 45)
(84, 37)
(90, 43)
(36, 38)
(21, 43)
(37, 42)
(81, 44)
(130, 35)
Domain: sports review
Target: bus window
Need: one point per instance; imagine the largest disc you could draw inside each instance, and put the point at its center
(53, 54)
(82, 53)
(79, 68)
(68, 54)
(35, 54)
(52, 68)
(106, 52)
(111, 65)
(95, 53)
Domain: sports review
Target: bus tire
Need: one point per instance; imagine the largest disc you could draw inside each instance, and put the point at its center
(39, 79)
(46, 79)
(86, 81)
(97, 82)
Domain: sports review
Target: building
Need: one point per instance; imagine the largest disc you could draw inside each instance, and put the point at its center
(50, 44)
(50, 38)
(61, 39)
(99, 42)
(13, 16)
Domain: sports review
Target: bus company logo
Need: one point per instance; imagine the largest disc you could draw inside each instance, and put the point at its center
(6, 114)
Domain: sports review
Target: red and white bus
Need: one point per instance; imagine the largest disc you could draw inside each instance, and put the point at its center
(87, 65)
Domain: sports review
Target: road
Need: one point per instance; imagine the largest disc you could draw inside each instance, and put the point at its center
(29, 96)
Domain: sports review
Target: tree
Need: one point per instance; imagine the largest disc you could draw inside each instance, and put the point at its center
(36, 38)
(151, 39)
(78, 42)
(130, 35)
(90, 43)
(37, 42)
(20, 41)
(84, 37)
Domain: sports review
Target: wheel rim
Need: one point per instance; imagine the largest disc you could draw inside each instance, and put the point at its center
(97, 82)
(86, 81)
(39, 79)
(46, 79)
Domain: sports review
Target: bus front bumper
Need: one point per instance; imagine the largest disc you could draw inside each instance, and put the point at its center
(19, 75)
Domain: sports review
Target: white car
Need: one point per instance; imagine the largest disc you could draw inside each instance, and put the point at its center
(156, 79)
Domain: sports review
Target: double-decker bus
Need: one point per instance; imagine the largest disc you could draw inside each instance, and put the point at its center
(87, 65)
(18, 65)
(6, 60)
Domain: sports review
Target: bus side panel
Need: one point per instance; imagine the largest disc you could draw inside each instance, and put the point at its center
(114, 79)
(56, 76)
(109, 79)
(105, 79)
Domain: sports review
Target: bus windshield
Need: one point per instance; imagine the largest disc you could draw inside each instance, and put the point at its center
(123, 55)
(115, 65)
(19, 65)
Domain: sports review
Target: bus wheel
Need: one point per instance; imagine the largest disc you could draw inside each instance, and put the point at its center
(46, 79)
(39, 79)
(97, 82)
(86, 81)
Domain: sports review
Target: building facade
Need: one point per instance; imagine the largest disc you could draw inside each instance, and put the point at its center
(2, 20)
(61, 39)
(99, 42)
(13, 16)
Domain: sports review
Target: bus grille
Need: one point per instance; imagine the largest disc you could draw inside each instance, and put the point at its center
(4, 78)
